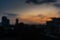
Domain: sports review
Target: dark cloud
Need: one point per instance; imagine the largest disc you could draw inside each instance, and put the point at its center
(40, 1)
(58, 5)
(11, 14)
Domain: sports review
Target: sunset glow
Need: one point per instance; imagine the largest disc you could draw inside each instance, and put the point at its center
(30, 12)
(39, 14)
(36, 19)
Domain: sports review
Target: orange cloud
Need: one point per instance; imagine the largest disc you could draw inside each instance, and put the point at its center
(35, 19)
(39, 14)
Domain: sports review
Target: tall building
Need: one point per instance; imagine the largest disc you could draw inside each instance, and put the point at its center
(56, 21)
(17, 21)
(53, 26)
(5, 21)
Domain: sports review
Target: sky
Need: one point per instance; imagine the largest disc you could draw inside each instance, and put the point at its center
(29, 11)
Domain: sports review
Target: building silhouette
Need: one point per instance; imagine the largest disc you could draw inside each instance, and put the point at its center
(17, 21)
(53, 26)
(26, 31)
(5, 21)
(56, 21)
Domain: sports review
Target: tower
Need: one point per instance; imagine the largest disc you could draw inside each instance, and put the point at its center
(17, 21)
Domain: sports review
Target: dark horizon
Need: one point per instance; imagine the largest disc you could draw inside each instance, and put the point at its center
(24, 31)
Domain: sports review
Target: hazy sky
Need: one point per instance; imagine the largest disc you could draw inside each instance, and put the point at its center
(22, 10)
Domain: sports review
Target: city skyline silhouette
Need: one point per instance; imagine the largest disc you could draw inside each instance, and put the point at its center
(52, 28)
(29, 19)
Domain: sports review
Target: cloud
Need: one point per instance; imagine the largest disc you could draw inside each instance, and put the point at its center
(40, 1)
(52, 2)
(11, 14)
(39, 13)
(57, 5)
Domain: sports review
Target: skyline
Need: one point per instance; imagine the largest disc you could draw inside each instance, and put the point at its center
(19, 8)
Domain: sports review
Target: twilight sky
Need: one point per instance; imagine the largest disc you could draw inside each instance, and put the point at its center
(30, 11)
